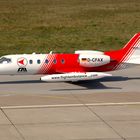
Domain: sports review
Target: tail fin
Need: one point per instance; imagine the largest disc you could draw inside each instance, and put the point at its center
(131, 50)
(129, 54)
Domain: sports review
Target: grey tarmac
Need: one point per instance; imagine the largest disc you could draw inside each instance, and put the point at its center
(105, 109)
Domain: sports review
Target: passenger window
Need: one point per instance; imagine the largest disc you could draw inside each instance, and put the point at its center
(31, 61)
(38, 61)
(54, 61)
(62, 61)
(46, 61)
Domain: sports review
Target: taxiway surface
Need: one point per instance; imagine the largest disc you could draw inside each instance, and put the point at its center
(105, 109)
(122, 81)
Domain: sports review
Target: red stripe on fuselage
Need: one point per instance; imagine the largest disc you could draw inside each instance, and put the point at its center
(70, 64)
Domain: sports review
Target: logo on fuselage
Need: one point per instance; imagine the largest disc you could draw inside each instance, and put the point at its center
(22, 62)
(22, 70)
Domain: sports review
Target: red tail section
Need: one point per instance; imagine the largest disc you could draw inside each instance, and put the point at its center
(124, 54)
(131, 47)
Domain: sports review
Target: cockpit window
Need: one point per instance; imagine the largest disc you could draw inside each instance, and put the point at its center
(5, 60)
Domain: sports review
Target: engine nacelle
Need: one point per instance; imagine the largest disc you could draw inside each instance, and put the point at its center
(88, 52)
(73, 76)
(91, 60)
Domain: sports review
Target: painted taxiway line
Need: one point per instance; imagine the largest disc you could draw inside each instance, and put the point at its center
(69, 105)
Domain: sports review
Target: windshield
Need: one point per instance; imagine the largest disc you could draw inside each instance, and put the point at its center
(5, 60)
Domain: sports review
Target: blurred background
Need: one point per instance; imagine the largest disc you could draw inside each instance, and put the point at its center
(41, 26)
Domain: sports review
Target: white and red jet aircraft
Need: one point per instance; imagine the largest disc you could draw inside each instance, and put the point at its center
(82, 65)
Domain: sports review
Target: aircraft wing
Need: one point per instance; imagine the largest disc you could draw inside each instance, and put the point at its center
(74, 76)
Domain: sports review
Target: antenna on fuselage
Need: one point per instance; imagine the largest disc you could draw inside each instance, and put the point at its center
(51, 52)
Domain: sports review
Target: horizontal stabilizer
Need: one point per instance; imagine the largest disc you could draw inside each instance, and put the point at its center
(135, 59)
